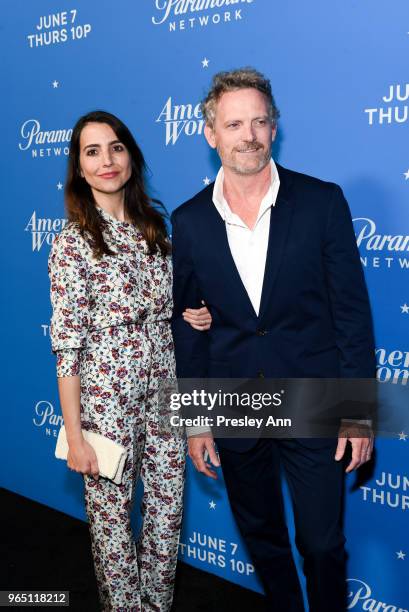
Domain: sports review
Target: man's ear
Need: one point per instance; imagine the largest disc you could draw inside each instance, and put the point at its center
(273, 133)
(209, 135)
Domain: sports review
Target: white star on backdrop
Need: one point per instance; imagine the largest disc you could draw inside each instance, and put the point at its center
(55, 84)
(405, 309)
(205, 64)
(402, 436)
(212, 505)
(406, 175)
(206, 180)
(59, 186)
(401, 554)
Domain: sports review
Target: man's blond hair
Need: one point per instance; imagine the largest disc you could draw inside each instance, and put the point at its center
(233, 80)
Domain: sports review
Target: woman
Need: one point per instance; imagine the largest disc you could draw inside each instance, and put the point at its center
(111, 284)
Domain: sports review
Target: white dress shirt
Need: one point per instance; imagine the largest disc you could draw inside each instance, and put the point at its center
(248, 247)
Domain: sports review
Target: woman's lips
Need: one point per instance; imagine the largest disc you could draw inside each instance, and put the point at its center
(109, 175)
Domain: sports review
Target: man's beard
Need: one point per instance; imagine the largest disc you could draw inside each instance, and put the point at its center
(243, 169)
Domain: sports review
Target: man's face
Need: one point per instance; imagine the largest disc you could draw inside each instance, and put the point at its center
(242, 131)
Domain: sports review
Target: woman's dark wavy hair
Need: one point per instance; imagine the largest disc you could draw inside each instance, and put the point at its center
(80, 203)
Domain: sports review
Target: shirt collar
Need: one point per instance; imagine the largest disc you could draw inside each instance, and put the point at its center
(267, 202)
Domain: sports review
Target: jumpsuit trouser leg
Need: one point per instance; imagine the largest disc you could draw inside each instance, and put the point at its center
(119, 399)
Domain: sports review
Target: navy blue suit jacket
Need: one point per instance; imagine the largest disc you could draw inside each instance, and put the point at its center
(314, 318)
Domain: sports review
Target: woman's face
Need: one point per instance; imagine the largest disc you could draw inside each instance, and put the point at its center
(104, 161)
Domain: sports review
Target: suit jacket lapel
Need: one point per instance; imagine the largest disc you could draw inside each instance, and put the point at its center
(280, 220)
(226, 265)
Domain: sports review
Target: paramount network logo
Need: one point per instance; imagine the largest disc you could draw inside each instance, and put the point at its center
(43, 231)
(186, 119)
(46, 418)
(188, 14)
(374, 243)
(360, 596)
(34, 139)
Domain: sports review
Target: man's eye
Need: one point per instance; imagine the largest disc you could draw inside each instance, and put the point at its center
(261, 122)
(232, 125)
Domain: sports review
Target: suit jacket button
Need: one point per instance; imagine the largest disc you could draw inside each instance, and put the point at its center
(261, 374)
(261, 332)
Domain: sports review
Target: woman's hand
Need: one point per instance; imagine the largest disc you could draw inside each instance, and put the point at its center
(198, 318)
(82, 458)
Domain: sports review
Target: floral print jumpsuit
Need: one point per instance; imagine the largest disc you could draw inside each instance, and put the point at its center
(111, 326)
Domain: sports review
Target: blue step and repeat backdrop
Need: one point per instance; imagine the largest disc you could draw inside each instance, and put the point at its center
(340, 77)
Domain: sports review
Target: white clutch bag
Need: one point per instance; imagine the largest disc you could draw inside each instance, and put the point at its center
(111, 456)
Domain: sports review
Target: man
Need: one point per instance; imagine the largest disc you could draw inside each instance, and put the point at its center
(272, 252)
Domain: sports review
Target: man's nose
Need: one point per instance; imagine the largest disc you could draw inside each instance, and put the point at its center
(249, 132)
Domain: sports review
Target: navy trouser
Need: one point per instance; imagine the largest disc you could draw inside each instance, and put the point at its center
(315, 482)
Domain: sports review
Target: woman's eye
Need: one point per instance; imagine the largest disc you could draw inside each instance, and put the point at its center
(118, 147)
(91, 152)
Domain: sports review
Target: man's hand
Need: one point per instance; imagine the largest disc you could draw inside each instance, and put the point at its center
(362, 447)
(198, 447)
